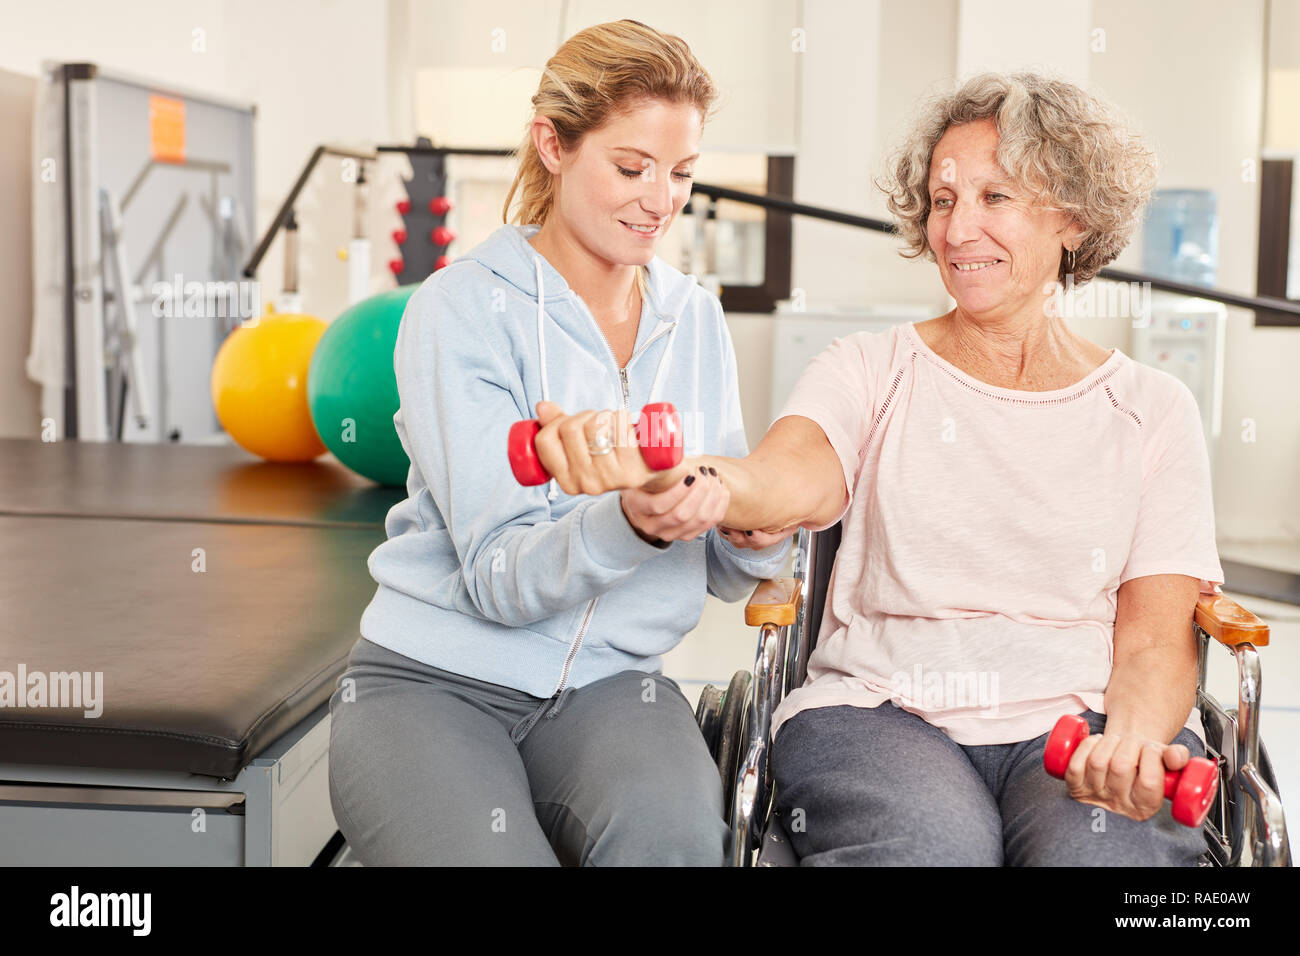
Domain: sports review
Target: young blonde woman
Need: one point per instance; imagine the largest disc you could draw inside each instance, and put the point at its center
(504, 704)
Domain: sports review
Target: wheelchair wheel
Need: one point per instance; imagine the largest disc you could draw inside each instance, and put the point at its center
(732, 734)
(708, 714)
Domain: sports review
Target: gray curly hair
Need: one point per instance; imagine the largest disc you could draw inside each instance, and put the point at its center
(1070, 150)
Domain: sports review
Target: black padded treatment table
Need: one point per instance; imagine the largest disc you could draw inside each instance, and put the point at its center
(212, 599)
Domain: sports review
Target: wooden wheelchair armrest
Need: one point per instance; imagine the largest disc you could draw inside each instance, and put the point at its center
(1228, 622)
(774, 601)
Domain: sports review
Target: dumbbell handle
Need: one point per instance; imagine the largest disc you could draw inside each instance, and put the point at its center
(1191, 789)
(659, 434)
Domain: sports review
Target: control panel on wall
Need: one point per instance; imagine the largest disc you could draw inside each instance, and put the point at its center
(1185, 338)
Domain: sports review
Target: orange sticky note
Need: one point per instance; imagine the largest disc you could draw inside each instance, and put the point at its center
(167, 129)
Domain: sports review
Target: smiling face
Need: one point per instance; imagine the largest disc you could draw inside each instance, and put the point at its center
(996, 249)
(617, 194)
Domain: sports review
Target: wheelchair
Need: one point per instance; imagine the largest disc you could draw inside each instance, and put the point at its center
(1245, 826)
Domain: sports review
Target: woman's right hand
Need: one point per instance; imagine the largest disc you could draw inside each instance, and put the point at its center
(564, 449)
(678, 504)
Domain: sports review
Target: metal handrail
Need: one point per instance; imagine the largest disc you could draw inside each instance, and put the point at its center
(774, 203)
(777, 204)
(285, 215)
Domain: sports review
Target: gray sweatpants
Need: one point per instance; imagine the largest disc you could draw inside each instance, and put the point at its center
(881, 787)
(427, 767)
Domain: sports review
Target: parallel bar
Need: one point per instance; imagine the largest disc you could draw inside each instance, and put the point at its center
(286, 208)
(789, 205)
(777, 204)
(1266, 303)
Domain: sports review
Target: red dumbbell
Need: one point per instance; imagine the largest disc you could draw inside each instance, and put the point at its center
(1191, 789)
(658, 432)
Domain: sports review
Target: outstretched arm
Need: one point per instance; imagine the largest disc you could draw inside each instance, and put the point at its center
(798, 475)
(794, 477)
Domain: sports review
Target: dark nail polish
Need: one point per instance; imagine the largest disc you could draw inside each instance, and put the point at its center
(713, 471)
(690, 480)
(749, 534)
(703, 470)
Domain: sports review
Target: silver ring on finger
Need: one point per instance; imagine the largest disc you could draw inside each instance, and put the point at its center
(602, 444)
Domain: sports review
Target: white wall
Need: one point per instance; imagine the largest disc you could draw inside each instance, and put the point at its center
(744, 46)
(1282, 130)
(1010, 35)
(866, 66)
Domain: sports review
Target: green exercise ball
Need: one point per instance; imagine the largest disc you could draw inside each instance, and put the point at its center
(352, 388)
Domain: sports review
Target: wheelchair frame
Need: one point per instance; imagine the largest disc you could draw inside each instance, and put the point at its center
(1245, 827)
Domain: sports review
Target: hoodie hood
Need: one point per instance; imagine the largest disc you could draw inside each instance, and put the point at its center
(507, 253)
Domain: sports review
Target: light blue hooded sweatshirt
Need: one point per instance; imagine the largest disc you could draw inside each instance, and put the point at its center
(532, 588)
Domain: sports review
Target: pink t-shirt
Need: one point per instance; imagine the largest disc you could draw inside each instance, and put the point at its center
(988, 531)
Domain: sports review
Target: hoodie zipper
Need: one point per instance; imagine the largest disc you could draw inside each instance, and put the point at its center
(659, 333)
(591, 605)
(622, 371)
(573, 648)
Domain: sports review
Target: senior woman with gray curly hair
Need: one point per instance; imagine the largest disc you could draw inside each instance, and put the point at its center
(1027, 521)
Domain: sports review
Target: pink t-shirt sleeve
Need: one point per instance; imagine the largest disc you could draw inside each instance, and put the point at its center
(1175, 526)
(837, 392)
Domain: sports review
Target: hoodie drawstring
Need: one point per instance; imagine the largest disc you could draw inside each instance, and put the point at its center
(526, 723)
(564, 695)
(552, 491)
(521, 728)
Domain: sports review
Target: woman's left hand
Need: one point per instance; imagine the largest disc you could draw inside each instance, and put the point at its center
(756, 540)
(1123, 772)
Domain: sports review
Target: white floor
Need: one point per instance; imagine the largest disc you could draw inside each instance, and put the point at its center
(721, 644)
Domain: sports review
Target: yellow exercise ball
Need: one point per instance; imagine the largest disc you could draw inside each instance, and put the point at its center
(259, 386)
